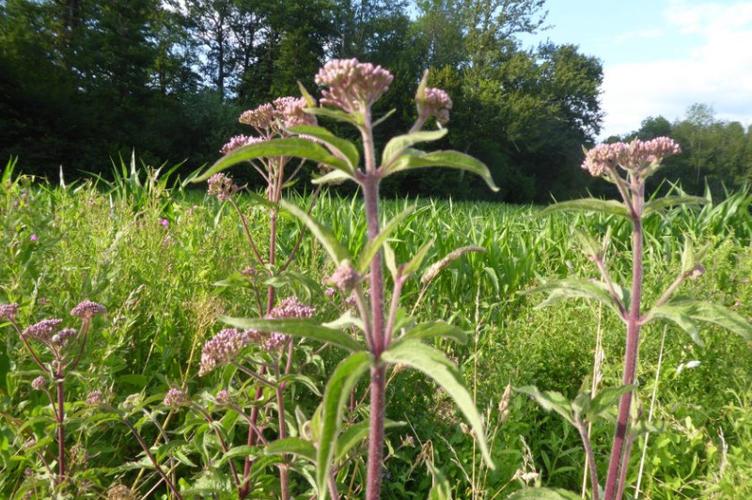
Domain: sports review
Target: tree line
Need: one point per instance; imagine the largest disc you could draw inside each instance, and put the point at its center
(83, 81)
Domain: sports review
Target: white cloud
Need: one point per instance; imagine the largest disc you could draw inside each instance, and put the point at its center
(717, 70)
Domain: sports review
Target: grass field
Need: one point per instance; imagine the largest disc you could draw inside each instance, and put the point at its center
(159, 279)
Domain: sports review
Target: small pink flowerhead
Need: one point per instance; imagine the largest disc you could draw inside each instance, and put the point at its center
(43, 330)
(330, 292)
(87, 309)
(39, 383)
(222, 186)
(164, 223)
(95, 398)
(260, 118)
(435, 102)
(604, 157)
(239, 141)
(223, 397)
(290, 111)
(62, 337)
(8, 311)
(34, 237)
(345, 277)
(224, 347)
(176, 397)
(291, 307)
(352, 85)
(653, 151)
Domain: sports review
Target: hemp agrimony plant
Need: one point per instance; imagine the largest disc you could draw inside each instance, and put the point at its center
(627, 166)
(63, 349)
(386, 336)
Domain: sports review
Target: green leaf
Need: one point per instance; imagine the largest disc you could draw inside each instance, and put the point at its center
(237, 451)
(374, 245)
(412, 159)
(414, 264)
(605, 401)
(398, 144)
(543, 494)
(294, 446)
(297, 328)
(337, 392)
(334, 114)
(550, 400)
(302, 379)
(666, 202)
(334, 248)
(679, 315)
(294, 147)
(434, 329)
(576, 288)
(345, 149)
(440, 489)
(610, 207)
(435, 364)
(706, 312)
(390, 259)
(333, 177)
(356, 433)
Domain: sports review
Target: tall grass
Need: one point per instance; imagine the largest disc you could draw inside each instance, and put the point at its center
(159, 281)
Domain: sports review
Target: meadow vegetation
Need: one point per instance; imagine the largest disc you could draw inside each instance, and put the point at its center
(167, 262)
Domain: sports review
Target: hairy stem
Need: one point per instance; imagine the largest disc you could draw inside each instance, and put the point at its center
(371, 200)
(617, 459)
(60, 417)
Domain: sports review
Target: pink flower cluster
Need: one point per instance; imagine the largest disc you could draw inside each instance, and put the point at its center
(39, 383)
(344, 277)
(633, 156)
(222, 186)
(88, 309)
(289, 308)
(223, 397)
(223, 347)
(95, 398)
(274, 117)
(176, 397)
(238, 141)
(352, 85)
(43, 330)
(437, 103)
(63, 336)
(8, 311)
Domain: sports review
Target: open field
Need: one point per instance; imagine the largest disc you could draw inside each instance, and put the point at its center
(154, 258)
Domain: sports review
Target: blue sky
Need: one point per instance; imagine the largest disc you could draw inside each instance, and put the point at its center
(661, 56)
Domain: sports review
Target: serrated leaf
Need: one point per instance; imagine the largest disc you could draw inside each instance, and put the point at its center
(412, 159)
(610, 207)
(305, 328)
(345, 148)
(353, 435)
(660, 204)
(293, 446)
(293, 147)
(716, 314)
(374, 245)
(576, 288)
(435, 364)
(334, 248)
(399, 143)
(550, 400)
(434, 329)
(605, 400)
(679, 315)
(337, 391)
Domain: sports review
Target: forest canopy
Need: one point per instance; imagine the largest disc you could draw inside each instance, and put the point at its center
(86, 81)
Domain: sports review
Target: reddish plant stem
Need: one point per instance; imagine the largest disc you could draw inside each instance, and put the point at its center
(376, 435)
(617, 459)
(59, 382)
(584, 435)
(153, 460)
